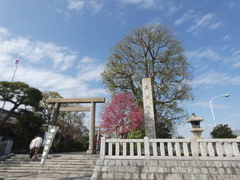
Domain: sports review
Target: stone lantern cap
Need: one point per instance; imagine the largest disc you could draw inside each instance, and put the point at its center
(194, 118)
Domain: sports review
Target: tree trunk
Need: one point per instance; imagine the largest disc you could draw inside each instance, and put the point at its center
(5, 118)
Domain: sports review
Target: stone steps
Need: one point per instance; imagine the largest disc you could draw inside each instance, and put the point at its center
(33, 169)
(48, 166)
(60, 166)
(44, 176)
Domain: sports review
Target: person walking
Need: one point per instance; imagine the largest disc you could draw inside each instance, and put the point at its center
(34, 146)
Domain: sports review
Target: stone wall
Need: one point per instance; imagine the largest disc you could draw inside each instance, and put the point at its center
(166, 170)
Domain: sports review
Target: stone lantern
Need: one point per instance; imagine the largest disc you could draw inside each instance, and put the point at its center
(196, 129)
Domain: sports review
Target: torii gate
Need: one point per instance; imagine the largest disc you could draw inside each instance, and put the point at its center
(93, 101)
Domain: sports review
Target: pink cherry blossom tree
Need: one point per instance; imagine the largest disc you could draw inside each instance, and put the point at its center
(121, 115)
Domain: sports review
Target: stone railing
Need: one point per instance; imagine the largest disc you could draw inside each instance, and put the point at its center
(192, 148)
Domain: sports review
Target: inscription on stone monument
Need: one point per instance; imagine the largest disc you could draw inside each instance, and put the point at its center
(148, 108)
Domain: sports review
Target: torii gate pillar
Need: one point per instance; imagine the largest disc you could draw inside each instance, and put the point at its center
(91, 149)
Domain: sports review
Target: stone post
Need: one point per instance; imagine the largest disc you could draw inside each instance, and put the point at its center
(103, 148)
(91, 149)
(147, 148)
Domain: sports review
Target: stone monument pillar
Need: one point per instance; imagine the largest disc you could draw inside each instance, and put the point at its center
(148, 108)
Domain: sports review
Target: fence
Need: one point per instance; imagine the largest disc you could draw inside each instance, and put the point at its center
(184, 149)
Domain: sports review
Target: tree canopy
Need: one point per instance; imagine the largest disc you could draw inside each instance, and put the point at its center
(28, 125)
(121, 115)
(222, 131)
(47, 108)
(18, 93)
(154, 52)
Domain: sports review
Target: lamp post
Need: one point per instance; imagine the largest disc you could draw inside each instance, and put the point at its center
(224, 95)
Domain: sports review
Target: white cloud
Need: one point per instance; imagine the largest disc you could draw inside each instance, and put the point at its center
(236, 65)
(203, 53)
(146, 4)
(61, 58)
(225, 47)
(75, 4)
(236, 53)
(185, 17)
(79, 5)
(86, 59)
(207, 21)
(95, 5)
(204, 21)
(235, 58)
(4, 33)
(90, 72)
(89, 69)
(172, 9)
(46, 66)
(215, 25)
(212, 78)
(226, 37)
(236, 80)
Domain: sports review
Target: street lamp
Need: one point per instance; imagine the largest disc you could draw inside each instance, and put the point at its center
(225, 95)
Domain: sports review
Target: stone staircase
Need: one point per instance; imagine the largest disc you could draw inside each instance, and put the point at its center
(67, 166)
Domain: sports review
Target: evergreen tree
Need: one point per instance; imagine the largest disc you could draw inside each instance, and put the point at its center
(18, 93)
(222, 131)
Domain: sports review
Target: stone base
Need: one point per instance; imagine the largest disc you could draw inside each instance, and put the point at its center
(91, 151)
(166, 169)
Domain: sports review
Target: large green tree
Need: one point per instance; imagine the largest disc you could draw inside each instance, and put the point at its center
(222, 131)
(18, 93)
(154, 52)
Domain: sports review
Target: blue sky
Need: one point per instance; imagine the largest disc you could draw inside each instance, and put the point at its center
(64, 45)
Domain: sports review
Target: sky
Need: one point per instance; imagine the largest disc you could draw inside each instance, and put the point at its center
(64, 46)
